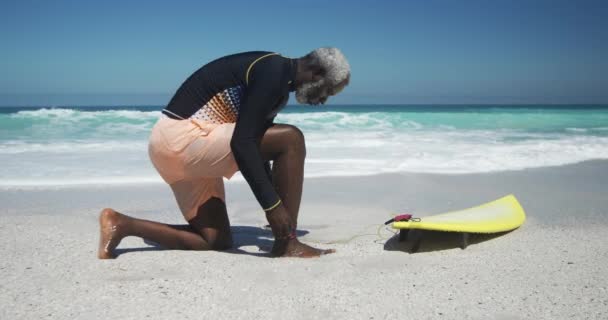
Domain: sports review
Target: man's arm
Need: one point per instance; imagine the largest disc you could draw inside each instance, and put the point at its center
(260, 97)
(267, 165)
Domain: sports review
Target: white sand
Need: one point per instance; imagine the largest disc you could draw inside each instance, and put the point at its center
(554, 267)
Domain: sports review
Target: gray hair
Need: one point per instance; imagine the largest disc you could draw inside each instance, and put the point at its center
(333, 62)
(336, 70)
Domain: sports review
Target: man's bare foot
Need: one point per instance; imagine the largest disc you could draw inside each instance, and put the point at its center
(295, 248)
(110, 233)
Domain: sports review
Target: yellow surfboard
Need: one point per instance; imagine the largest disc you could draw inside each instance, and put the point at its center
(499, 215)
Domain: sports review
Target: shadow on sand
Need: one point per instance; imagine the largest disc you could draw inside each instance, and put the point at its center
(418, 241)
(242, 236)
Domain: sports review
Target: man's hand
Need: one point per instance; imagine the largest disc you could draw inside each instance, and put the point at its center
(280, 222)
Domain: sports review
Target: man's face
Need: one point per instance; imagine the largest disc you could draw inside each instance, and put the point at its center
(317, 92)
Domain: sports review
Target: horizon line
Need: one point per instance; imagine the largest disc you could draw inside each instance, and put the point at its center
(304, 105)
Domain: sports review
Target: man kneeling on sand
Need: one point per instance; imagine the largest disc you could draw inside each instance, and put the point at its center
(221, 120)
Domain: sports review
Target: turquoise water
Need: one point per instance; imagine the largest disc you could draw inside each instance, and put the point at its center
(48, 146)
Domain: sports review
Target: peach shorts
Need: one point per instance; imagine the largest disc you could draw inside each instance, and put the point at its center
(192, 156)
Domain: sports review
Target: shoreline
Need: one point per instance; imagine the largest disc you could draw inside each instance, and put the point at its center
(156, 181)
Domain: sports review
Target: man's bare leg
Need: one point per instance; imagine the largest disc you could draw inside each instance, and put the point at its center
(209, 230)
(285, 146)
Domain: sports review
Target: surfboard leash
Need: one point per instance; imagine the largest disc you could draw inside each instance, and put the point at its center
(397, 218)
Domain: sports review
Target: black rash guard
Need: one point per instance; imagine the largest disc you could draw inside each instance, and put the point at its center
(248, 88)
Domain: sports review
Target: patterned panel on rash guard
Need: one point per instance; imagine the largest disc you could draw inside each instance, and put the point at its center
(222, 108)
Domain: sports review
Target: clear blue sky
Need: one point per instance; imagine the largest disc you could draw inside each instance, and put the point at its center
(139, 52)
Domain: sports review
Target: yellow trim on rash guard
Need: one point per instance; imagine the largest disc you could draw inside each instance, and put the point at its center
(274, 206)
(251, 65)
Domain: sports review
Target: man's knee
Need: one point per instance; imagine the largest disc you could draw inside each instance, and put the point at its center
(296, 139)
(221, 242)
(213, 225)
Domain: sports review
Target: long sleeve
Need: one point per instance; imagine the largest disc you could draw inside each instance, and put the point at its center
(261, 96)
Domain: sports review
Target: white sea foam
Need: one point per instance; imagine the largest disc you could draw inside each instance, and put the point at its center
(368, 121)
(72, 114)
(577, 129)
(344, 154)
(44, 113)
(72, 147)
(38, 184)
(51, 147)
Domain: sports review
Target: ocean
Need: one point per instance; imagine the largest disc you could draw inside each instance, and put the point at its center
(60, 146)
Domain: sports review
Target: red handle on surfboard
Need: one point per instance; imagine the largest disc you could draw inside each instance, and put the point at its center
(401, 217)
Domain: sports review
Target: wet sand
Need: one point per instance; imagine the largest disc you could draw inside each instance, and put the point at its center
(554, 267)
